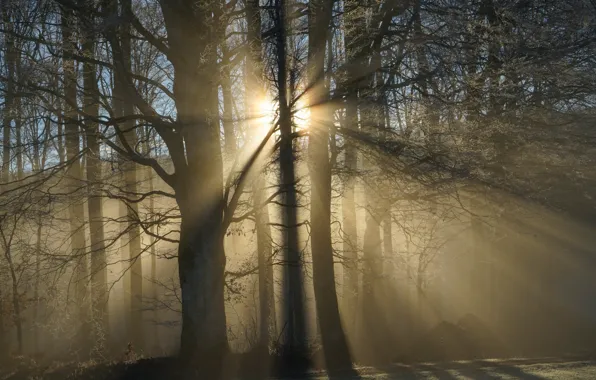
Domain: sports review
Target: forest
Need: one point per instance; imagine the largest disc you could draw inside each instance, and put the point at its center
(227, 188)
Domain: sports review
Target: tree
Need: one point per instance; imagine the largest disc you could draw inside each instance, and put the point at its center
(99, 291)
(192, 141)
(254, 85)
(335, 346)
(73, 174)
(128, 133)
(354, 22)
(295, 332)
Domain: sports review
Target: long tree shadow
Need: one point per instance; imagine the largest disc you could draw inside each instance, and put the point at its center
(514, 371)
(473, 370)
(491, 370)
(451, 370)
(437, 371)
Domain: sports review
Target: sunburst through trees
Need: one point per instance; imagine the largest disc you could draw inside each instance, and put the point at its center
(264, 186)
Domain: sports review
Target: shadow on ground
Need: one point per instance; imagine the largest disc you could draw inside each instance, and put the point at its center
(167, 368)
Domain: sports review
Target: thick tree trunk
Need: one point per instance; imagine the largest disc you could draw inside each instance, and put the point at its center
(354, 25)
(199, 185)
(254, 88)
(130, 240)
(201, 270)
(130, 185)
(201, 256)
(349, 228)
(6, 147)
(73, 180)
(337, 355)
(39, 161)
(295, 329)
(373, 327)
(99, 296)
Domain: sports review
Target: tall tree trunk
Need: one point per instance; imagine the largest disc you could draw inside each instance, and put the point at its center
(354, 23)
(3, 338)
(372, 270)
(153, 252)
(125, 266)
(18, 124)
(36, 320)
(337, 355)
(73, 179)
(267, 318)
(373, 329)
(254, 86)
(388, 241)
(16, 302)
(201, 253)
(18, 117)
(130, 244)
(228, 115)
(6, 145)
(99, 276)
(39, 162)
(295, 329)
(134, 233)
(9, 97)
(149, 177)
(431, 125)
(199, 184)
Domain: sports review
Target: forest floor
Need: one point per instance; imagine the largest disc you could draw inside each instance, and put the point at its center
(487, 369)
(150, 369)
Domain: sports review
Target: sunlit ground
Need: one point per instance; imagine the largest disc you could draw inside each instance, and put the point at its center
(524, 369)
(510, 369)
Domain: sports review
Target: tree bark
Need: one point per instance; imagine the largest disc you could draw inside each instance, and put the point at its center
(354, 24)
(6, 145)
(388, 241)
(73, 179)
(36, 320)
(99, 296)
(228, 115)
(152, 241)
(254, 86)
(16, 302)
(337, 355)
(3, 340)
(295, 330)
(373, 329)
(199, 184)
(7, 241)
(9, 98)
(130, 185)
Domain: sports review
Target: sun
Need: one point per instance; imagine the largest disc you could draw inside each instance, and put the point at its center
(267, 112)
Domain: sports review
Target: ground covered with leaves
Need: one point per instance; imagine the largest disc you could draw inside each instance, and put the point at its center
(164, 368)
